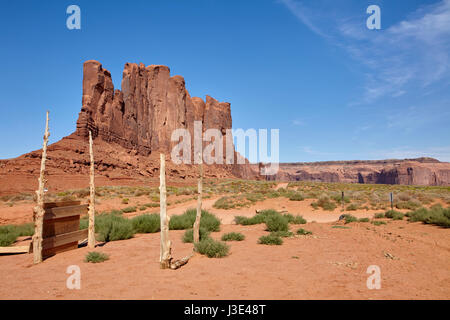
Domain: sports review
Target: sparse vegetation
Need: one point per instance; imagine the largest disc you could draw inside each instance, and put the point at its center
(7, 239)
(394, 215)
(283, 234)
(9, 233)
(188, 236)
(378, 223)
(125, 200)
(233, 236)
(303, 232)
(410, 204)
(436, 215)
(325, 203)
(146, 223)
(352, 207)
(271, 240)
(112, 227)
(186, 220)
(348, 218)
(96, 257)
(363, 220)
(294, 219)
(296, 197)
(379, 216)
(277, 222)
(212, 248)
(257, 219)
(129, 209)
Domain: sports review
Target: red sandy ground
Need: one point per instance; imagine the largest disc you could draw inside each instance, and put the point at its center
(330, 264)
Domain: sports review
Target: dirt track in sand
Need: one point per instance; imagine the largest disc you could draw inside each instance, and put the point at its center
(330, 264)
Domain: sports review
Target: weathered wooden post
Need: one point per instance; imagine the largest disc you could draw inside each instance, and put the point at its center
(342, 199)
(91, 234)
(165, 251)
(196, 229)
(391, 195)
(39, 209)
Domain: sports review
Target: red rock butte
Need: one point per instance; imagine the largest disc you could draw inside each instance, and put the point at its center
(150, 106)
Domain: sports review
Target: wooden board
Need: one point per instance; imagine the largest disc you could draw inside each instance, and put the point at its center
(60, 226)
(65, 247)
(15, 249)
(63, 239)
(48, 205)
(61, 212)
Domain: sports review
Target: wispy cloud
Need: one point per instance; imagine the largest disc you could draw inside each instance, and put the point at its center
(405, 57)
(298, 122)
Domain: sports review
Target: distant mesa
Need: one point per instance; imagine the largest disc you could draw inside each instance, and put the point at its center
(419, 171)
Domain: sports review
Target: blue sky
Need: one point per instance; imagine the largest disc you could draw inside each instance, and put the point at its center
(336, 90)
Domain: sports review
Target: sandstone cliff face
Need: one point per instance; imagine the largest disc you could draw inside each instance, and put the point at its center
(150, 106)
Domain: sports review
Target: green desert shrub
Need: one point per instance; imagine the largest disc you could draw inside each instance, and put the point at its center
(410, 204)
(151, 205)
(186, 221)
(257, 219)
(9, 233)
(363, 220)
(294, 219)
(254, 197)
(96, 257)
(378, 223)
(129, 209)
(84, 223)
(224, 203)
(125, 200)
(112, 227)
(271, 240)
(283, 234)
(379, 216)
(233, 236)
(212, 248)
(338, 198)
(146, 223)
(394, 215)
(296, 197)
(277, 223)
(188, 236)
(7, 239)
(349, 218)
(436, 215)
(303, 232)
(403, 196)
(352, 207)
(325, 203)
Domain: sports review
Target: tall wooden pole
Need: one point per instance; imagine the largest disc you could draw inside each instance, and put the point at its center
(196, 229)
(39, 209)
(91, 234)
(165, 257)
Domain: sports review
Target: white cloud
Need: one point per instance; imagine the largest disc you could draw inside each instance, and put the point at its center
(406, 57)
(298, 122)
